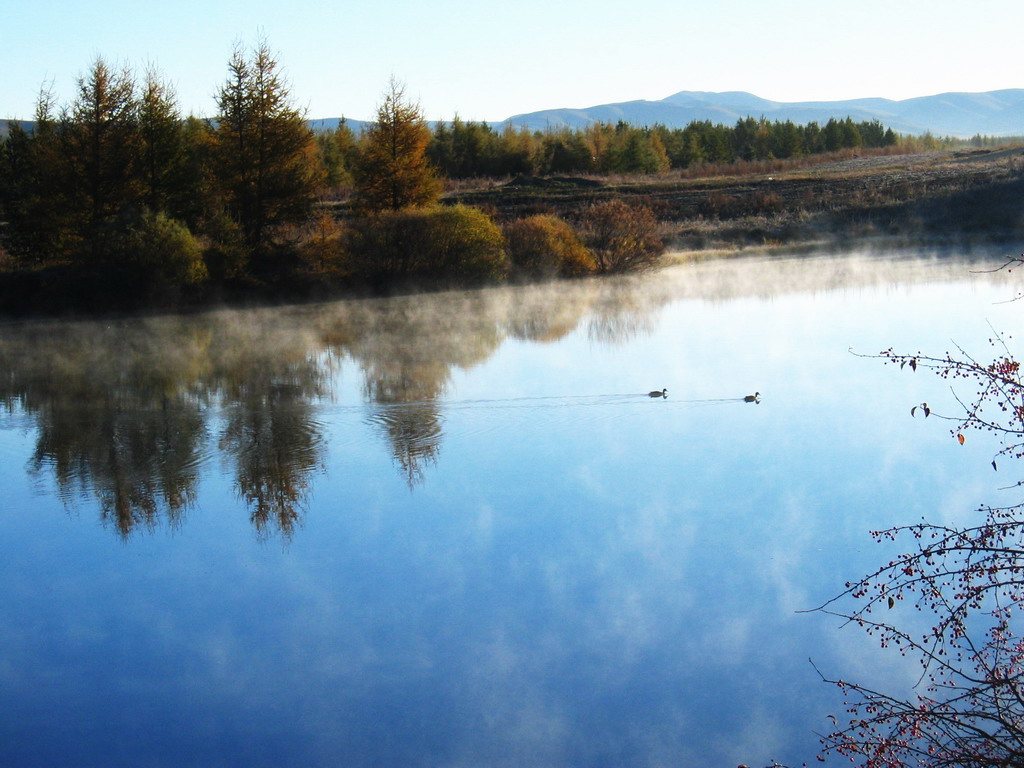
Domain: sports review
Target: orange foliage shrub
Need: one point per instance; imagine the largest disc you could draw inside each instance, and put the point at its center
(544, 246)
(622, 237)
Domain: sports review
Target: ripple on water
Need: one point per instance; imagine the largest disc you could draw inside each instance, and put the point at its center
(15, 432)
(428, 421)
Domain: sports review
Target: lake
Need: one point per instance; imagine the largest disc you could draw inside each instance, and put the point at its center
(455, 530)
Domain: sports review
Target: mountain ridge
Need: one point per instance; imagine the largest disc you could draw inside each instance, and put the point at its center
(954, 113)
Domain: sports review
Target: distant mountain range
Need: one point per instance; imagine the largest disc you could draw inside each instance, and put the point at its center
(993, 113)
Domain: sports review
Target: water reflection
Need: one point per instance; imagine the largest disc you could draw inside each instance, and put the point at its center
(406, 350)
(546, 313)
(140, 462)
(125, 412)
(273, 441)
(579, 575)
(128, 412)
(114, 419)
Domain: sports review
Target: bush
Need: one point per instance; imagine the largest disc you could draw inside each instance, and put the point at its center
(227, 258)
(622, 237)
(464, 243)
(455, 244)
(545, 247)
(159, 256)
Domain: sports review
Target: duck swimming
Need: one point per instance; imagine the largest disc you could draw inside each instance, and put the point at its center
(754, 398)
(656, 393)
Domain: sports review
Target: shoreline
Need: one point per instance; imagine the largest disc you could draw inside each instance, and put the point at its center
(945, 200)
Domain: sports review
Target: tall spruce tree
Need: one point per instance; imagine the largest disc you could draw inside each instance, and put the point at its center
(100, 148)
(162, 159)
(265, 157)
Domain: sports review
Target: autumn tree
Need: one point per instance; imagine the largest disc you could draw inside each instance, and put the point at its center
(394, 172)
(264, 154)
(430, 245)
(965, 582)
(544, 246)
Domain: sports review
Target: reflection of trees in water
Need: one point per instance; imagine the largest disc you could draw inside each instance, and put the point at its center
(121, 414)
(407, 349)
(548, 313)
(268, 381)
(405, 394)
(122, 408)
(620, 315)
(414, 432)
(141, 462)
(115, 420)
(442, 330)
(275, 445)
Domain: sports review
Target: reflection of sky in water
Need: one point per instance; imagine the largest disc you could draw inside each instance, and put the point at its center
(575, 577)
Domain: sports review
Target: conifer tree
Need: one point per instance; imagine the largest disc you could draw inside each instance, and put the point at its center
(36, 196)
(100, 143)
(265, 158)
(338, 155)
(394, 172)
(162, 159)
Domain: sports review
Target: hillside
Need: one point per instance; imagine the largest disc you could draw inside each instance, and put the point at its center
(940, 197)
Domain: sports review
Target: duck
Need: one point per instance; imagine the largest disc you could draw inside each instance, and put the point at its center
(754, 398)
(656, 393)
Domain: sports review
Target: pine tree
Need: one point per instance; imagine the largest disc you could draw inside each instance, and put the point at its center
(338, 155)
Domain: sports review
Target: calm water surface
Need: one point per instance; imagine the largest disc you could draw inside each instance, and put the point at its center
(454, 530)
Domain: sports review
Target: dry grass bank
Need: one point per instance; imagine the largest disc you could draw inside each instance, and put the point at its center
(944, 195)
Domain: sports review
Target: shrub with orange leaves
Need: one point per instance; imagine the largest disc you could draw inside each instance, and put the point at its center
(545, 247)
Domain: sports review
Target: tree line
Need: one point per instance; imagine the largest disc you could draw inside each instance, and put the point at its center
(122, 192)
(467, 149)
(116, 199)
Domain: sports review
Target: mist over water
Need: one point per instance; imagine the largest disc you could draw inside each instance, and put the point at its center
(455, 530)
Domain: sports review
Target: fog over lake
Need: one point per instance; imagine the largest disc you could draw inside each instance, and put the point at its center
(455, 530)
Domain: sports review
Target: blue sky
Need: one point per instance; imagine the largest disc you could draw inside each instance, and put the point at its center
(490, 60)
